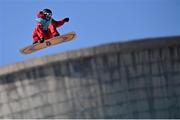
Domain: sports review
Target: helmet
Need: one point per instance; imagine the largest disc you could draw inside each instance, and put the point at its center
(47, 13)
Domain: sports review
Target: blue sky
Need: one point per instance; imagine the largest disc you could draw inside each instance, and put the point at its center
(95, 22)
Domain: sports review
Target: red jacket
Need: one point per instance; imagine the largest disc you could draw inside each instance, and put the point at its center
(47, 30)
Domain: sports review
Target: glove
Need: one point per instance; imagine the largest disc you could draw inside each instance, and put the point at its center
(66, 19)
(41, 40)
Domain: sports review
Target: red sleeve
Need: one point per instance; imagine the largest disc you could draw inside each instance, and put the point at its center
(40, 14)
(40, 30)
(58, 23)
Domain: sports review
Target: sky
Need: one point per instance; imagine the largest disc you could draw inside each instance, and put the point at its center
(96, 22)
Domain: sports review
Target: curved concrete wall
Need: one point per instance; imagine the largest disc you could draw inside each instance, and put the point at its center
(137, 79)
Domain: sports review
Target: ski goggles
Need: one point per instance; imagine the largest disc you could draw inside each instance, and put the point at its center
(48, 14)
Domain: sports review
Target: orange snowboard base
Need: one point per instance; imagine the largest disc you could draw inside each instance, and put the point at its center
(47, 43)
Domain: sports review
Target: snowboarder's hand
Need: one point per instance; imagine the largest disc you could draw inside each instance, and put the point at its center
(66, 19)
(42, 40)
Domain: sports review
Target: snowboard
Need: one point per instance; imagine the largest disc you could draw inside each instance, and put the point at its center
(48, 43)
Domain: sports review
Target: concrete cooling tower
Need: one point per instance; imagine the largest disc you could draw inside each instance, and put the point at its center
(135, 79)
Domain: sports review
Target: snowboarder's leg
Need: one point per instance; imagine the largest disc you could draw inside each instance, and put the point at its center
(35, 37)
(53, 31)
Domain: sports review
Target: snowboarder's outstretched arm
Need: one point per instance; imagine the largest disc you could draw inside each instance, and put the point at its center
(60, 22)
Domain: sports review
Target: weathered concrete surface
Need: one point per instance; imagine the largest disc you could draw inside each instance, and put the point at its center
(138, 79)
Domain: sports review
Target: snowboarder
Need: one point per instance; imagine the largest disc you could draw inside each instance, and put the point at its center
(46, 26)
